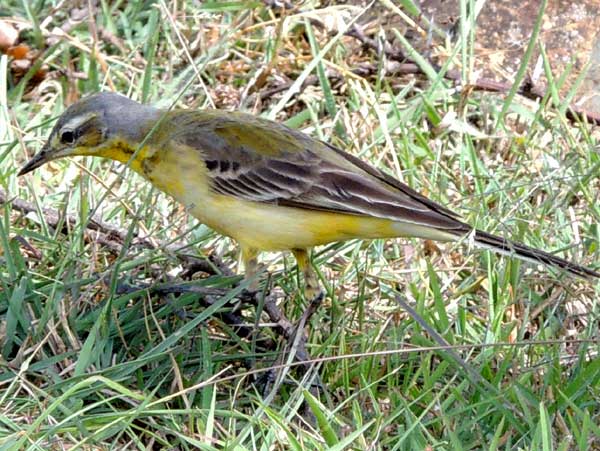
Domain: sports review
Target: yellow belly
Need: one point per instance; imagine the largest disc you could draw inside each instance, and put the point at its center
(272, 227)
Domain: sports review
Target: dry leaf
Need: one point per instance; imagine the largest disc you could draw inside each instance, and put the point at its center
(8, 35)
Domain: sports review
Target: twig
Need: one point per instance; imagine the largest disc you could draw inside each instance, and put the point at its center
(112, 237)
(395, 54)
(206, 297)
(527, 89)
(285, 328)
(107, 233)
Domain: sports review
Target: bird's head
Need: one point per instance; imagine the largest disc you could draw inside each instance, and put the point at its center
(92, 125)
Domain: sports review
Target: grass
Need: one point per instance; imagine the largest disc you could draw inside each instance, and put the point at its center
(86, 366)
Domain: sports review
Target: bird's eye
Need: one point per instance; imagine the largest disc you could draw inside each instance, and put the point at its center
(67, 137)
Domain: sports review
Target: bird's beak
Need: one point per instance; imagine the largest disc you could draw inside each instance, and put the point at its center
(39, 159)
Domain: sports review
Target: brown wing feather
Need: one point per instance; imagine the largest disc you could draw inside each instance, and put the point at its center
(262, 161)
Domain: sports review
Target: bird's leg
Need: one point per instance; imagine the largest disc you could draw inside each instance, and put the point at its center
(312, 290)
(250, 260)
(314, 294)
(296, 340)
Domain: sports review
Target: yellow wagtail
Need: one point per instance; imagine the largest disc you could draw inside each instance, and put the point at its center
(267, 186)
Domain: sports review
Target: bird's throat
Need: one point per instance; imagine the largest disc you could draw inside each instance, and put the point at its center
(125, 152)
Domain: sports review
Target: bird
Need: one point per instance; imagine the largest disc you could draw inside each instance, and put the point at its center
(267, 186)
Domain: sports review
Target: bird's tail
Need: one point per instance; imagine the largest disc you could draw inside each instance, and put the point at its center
(518, 250)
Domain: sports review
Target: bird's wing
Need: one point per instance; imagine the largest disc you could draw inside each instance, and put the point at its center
(262, 161)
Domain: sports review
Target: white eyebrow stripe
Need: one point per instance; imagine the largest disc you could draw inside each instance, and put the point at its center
(77, 121)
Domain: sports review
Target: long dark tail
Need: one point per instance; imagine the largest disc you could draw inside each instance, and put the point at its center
(518, 250)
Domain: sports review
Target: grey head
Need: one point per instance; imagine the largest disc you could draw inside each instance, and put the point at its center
(88, 124)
